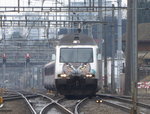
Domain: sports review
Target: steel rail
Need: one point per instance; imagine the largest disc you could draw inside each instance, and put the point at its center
(124, 108)
(144, 105)
(15, 97)
(54, 102)
(45, 108)
(127, 100)
(78, 104)
(30, 106)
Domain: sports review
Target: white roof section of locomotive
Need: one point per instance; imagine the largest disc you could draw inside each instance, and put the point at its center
(82, 38)
(77, 46)
(49, 64)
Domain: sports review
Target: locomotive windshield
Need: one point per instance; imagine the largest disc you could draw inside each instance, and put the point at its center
(76, 55)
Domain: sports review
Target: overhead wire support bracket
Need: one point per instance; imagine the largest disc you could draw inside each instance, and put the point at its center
(54, 9)
(43, 23)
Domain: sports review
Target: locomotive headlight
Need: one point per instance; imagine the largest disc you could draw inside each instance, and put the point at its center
(62, 75)
(89, 75)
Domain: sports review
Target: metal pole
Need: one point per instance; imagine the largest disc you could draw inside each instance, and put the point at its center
(4, 50)
(4, 72)
(18, 6)
(25, 75)
(90, 18)
(93, 3)
(90, 30)
(90, 3)
(28, 75)
(69, 16)
(33, 77)
(119, 27)
(128, 50)
(56, 20)
(119, 47)
(100, 35)
(105, 55)
(28, 2)
(134, 57)
(113, 54)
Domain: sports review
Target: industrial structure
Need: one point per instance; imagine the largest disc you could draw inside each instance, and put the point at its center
(31, 29)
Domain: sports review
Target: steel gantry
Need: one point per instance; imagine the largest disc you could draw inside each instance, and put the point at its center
(46, 17)
(56, 9)
(43, 23)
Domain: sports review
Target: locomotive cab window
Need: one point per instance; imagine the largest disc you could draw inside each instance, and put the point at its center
(73, 55)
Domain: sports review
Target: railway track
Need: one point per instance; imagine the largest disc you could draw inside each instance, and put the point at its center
(79, 105)
(54, 107)
(62, 105)
(15, 97)
(124, 103)
(44, 104)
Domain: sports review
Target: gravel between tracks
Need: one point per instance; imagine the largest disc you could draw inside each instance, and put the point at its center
(144, 98)
(147, 101)
(92, 107)
(14, 107)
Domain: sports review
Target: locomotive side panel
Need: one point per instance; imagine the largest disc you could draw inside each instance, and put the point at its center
(49, 76)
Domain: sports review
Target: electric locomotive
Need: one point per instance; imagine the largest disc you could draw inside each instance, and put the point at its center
(75, 70)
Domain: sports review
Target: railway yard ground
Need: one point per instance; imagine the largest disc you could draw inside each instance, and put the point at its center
(19, 107)
(90, 106)
(14, 107)
(99, 108)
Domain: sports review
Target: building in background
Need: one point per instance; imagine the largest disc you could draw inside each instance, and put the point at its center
(143, 11)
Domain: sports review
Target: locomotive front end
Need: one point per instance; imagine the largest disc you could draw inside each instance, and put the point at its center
(76, 70)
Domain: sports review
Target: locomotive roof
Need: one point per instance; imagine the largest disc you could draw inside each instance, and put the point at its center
(50, 64)
(83, 39)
